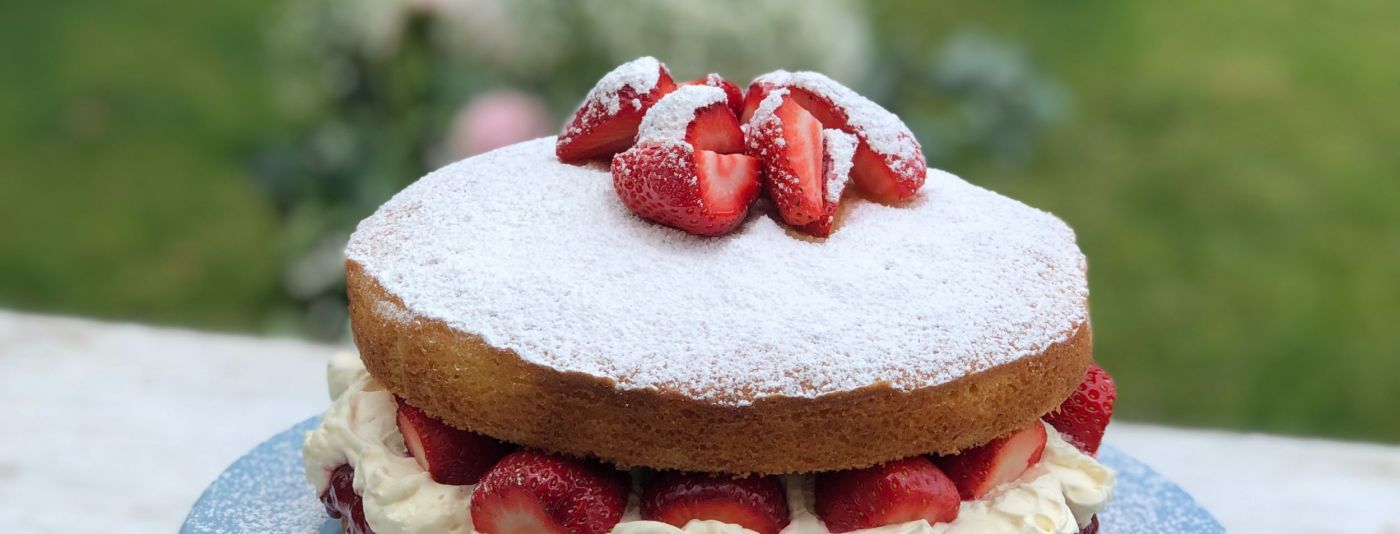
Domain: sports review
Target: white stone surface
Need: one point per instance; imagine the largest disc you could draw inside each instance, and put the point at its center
(118, 428)
(1255, 483)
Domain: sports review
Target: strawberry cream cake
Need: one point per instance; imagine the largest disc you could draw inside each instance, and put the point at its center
(704, 310)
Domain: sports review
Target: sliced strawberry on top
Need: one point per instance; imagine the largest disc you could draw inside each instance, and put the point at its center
(699, 191)
(731, 91)
(532, 492)
(895, 492)
(755, 503)
(889, 178)
(449, 455)
(830, 115)
(889, 165)
(838, 153)
(1083, 417)
(978, 470)
(606, 122)
(697, 115)
(788, 141)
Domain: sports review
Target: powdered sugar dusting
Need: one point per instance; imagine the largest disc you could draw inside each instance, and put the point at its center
(840, 149)
(668, 118)
(265, 491)
(767, 109)
(542, 259)
(612, 92)
(884, 131)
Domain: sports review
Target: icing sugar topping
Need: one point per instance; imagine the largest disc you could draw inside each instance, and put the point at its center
(541, 258)
(840, 149)
(883, 131)
(767, 109)
(609, 95)
(668, 118)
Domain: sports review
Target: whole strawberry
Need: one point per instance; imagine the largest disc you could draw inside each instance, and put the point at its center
(533, 492)
(894, 492)
(1082, 418)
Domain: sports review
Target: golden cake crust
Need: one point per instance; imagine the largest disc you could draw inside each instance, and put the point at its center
(456, 376)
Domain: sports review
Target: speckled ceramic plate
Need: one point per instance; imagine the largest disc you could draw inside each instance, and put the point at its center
(266, 491)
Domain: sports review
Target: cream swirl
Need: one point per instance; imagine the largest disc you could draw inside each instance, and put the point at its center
(360, 429)
(1057, 496)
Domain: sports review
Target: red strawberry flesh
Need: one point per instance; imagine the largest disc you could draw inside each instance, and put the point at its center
(838, 149)
(728, 183)
(716, 129)
(451, 456)
(1082, 418)
(889, 167)
(516, 511)
(694, 114)
(788, 140)
(755, 503)
(734, 97)
(606, 122)
(535, 492)
(895, 492)
(889, 179)
(698, 191)
(979, 470)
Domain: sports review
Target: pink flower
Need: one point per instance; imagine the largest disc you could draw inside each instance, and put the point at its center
(495, 119)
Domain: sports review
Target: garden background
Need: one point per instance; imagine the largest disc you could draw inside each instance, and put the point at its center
(1232, 168)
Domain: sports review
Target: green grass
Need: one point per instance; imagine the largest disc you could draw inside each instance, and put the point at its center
(1232, 174)
(1230, 167)
(124, 128)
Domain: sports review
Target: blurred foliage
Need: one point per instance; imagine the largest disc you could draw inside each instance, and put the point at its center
(124, 136)
(1229, 167)
(1230, 170)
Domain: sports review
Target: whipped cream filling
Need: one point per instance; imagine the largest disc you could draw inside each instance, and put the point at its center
(1058, 495)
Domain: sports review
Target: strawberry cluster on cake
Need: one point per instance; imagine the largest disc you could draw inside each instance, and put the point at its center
(707, 310)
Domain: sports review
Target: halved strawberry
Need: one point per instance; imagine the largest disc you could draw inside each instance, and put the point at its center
(699, 191)
(449, 455)
(788, 140)
(532, 492)
(697, 115)
(606, 122)
(889, 178)
(830, 115)
(731, 91)
(896, 492)
(889, 165)
(756, 503)
(753, 97)
(1082, 418)
(978, 470)
(838, 152)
